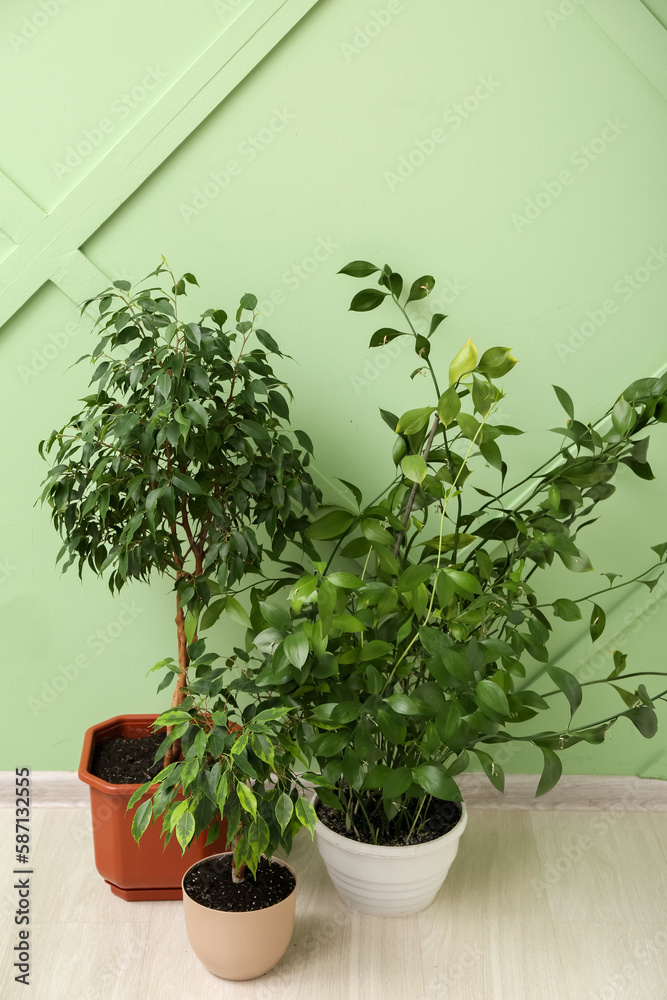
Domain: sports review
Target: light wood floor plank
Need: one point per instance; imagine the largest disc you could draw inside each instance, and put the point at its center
(485, 920)
(600, 867)
(614, 962)
(497, 930)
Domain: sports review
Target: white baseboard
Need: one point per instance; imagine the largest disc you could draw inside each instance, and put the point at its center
(573, 792)
(47, 788)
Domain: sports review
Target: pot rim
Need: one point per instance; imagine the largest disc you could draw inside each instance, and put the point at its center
(378, 851)
(89, 740)
(237, 913)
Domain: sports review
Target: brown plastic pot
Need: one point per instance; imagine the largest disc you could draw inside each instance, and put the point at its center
(240, 946)
(134, 871)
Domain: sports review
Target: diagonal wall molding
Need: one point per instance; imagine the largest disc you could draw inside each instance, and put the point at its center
(637, 34)
(47, 243)
(20, 214)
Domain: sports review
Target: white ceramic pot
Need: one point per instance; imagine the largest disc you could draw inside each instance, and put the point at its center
(388, 881)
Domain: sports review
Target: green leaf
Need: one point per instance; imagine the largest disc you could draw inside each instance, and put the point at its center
(620, 660)
(385, 336)
(577, 564)
(421, 288)
(412, 421)
(190, 625)
(267, 640)
(391, 725)
(448, 721)
(629, 697)
(249, 301)
(449, 406)
(490, 695)
(284, 810)
(436, 320)
(567, 610)
(598, 622)
(332, 744)
(551, 772)
(414, 468)
(359, 269)
(433, 778)
(397, 782)
(346, 581)
(463, 364)
(446, 543)
(483, 396)
(374, 649)
(623, 417)
(275, 615)
(237, 613)
(644, 719)
(413, 576)
(352, 769)
(267, 341)
(247, 799)
(493, 771)
(565, 401)
(568, 684)
(185, 829)
(271, 714)
(305, 813)
(491, 453)
(464, 581)
(141, 819)
(332, 525)
(296, 649)
(641, 469)
(348, 623)
(367, 299)
(496, 362)
(185, 483)
(390, 418)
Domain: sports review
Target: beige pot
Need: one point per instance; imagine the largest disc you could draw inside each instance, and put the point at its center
(240, 945)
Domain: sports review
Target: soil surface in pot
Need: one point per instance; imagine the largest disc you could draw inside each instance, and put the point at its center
(210, 884)
(441, 817)
(125, 761)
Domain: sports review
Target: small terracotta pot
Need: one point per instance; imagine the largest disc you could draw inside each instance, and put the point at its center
(240, 945)
(134, 871)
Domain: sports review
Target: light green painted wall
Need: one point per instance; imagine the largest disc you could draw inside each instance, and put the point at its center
(344, 99)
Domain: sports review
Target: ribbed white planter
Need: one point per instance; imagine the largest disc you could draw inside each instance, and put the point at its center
(388, 881)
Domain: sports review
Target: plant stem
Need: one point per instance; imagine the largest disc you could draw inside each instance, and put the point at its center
(415, 487)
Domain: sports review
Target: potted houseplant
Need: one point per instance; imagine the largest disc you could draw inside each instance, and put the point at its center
(181, 451)
(407, 670)
(238, 773)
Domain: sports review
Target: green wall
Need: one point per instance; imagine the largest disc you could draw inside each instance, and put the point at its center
(515, 151)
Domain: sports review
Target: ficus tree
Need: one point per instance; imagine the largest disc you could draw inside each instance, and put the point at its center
(181, 461)
(401, 671)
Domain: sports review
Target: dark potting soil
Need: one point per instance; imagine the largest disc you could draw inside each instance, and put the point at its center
(442, 816)
(210, 884)
(125, 761)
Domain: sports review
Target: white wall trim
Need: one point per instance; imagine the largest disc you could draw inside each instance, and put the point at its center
(573, 792)
(46, 241)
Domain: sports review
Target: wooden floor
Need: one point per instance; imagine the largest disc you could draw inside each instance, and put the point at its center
(537, 905)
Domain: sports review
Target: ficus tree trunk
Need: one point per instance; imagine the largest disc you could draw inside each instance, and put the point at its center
(173, 753)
